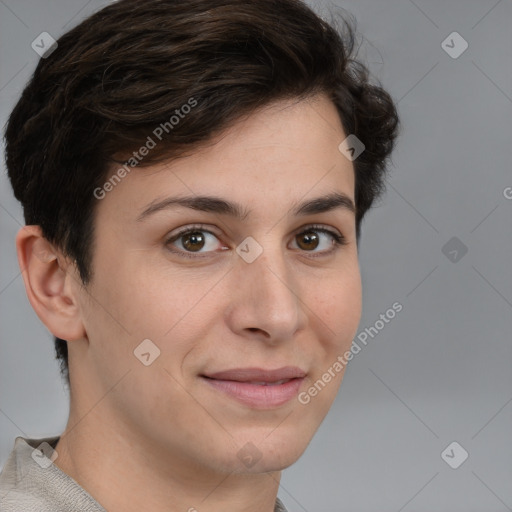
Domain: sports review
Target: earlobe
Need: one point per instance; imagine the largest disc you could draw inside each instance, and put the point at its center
(48, 283)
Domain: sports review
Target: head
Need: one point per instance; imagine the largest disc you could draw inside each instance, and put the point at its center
(236, 111)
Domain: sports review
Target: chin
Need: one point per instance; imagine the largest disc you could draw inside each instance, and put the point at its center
(280, 461)
(271, 454)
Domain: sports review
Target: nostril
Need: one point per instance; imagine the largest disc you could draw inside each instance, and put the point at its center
(256, 329)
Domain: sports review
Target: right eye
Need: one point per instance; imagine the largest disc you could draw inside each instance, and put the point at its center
(193, 240)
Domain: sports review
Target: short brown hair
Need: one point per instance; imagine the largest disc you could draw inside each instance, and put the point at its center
(127, 69)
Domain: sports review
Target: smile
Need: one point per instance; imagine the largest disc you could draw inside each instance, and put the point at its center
(259, 389)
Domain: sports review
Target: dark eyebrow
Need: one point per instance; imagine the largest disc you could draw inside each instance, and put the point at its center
(221, 206)
(326, 204)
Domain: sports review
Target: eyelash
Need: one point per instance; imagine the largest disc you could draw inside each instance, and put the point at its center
(338, 239)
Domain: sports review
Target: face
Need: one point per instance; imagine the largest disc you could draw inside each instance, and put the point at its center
(239, 264)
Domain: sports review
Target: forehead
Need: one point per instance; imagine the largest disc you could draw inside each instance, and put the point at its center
(280, 153)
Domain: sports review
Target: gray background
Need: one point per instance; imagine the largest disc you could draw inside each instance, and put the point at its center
(440, 371)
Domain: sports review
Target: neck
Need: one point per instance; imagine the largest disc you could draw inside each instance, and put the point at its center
(125, 473)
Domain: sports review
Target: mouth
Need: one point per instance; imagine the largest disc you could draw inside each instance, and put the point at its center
(258, 388)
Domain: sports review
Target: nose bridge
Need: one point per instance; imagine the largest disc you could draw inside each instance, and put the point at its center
(267, 298)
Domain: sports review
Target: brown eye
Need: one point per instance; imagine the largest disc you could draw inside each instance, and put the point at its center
(318, 241)
(193, 241)
(308, 240)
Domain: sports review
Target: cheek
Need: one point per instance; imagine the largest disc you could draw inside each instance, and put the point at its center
(146, 301)
(337, 309)
(175, 307)
(339, 305)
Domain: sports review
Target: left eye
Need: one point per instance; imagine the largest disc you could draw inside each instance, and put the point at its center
(311, 239)
(194, 240)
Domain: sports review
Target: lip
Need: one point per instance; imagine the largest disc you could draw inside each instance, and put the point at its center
(256, 387)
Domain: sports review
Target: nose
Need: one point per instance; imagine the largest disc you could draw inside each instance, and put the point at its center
(266, 303)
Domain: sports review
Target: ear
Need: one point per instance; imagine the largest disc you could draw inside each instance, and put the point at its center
(50, 284)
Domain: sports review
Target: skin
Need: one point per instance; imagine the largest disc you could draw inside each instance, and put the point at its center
(158, 437)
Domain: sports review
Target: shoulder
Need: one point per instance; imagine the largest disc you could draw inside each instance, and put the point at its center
(30, 482)
(279, 506)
